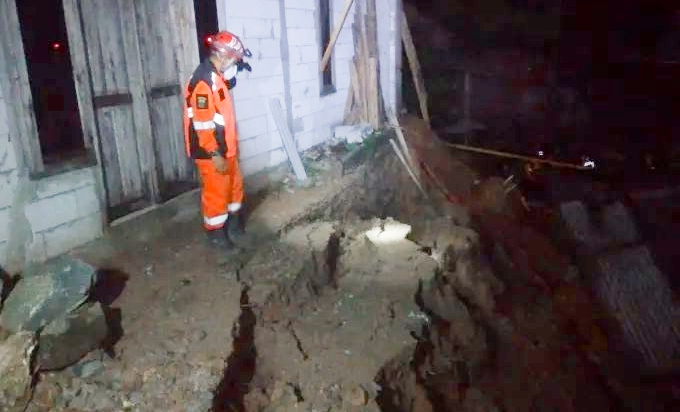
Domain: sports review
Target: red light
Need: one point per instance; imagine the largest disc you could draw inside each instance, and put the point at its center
(56, 46)
(208, 40)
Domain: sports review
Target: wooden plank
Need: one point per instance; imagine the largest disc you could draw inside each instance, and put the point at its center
(371, 28)
(140, 105)
(17, 88)
(83, 85)
(120, 100)
(334, 37)
(467, 88)
(392, 118)
(373, 93)
(414, 64)
(287, 139)
(349, 102)
(162, 46)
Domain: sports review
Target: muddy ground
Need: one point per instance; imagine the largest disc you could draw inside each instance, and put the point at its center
(353, 293)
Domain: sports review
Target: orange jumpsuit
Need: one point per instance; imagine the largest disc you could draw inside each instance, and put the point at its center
(210, 128)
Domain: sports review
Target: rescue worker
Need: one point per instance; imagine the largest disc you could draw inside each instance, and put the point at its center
(211, 139)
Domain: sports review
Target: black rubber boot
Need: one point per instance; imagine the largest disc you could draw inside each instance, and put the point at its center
(237, 225)
(220, 239)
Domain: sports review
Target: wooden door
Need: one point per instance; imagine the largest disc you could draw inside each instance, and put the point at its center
(120, 104)
(167, 40)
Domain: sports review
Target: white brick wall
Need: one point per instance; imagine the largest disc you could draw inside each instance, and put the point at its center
(258, 22)
(44, 218)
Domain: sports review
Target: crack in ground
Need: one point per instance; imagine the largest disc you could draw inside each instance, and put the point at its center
(240, 368)
(298, 342)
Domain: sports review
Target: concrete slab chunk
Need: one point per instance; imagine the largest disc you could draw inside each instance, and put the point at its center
(46, 292)
(68, 338)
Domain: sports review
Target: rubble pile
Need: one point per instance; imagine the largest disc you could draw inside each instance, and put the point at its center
(49, 323)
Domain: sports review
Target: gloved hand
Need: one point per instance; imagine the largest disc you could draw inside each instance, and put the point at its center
(220, 164)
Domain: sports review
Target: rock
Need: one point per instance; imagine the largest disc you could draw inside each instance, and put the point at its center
(64, 341)
(45, 396)
(355, 395)
(15, 371)
(46, 292)
(89, 368)
(353, 133)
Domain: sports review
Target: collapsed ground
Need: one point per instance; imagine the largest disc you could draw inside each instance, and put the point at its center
(333, 307)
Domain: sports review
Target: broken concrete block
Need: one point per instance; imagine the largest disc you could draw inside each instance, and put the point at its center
(15, 371)
(46, 292)
(353, 133)
(68, 338)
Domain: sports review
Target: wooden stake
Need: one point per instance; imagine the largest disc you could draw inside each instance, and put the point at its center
(373, 93)
(414, 64)
(408, 169)
(334, 37)
(349, 102)
(517, 156)
(466, 104)
(400, 135)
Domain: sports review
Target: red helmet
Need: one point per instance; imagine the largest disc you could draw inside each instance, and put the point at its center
(227, 44)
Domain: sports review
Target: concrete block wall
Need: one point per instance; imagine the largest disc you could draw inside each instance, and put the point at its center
(284, 37)
(42, 218)
(313, 116)
(258, 23)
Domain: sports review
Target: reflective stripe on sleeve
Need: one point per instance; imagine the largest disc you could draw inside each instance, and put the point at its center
(218, 119)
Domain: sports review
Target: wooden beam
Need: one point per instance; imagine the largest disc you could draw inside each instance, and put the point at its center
(414, 64)
(407, 167)
(287, 139)
(334, 37)
(17, 90)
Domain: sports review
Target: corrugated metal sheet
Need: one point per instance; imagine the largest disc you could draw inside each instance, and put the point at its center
(592, 233)
(638, 295)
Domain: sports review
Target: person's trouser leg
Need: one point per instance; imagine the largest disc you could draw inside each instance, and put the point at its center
(235, 196)
(214, 202)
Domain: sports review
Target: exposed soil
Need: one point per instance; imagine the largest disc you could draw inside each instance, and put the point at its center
(333, 307)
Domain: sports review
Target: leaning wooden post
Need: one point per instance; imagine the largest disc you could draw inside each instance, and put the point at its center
(414, 64)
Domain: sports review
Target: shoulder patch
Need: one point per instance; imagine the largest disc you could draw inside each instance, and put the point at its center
(221, 94)
(202, 101)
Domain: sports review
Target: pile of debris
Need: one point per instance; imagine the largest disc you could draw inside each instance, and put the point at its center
(48, 322)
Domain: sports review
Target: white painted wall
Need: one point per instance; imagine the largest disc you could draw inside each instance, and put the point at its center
(285, 66)
(42, 218)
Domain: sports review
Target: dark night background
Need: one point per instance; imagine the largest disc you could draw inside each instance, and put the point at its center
(622, 56)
